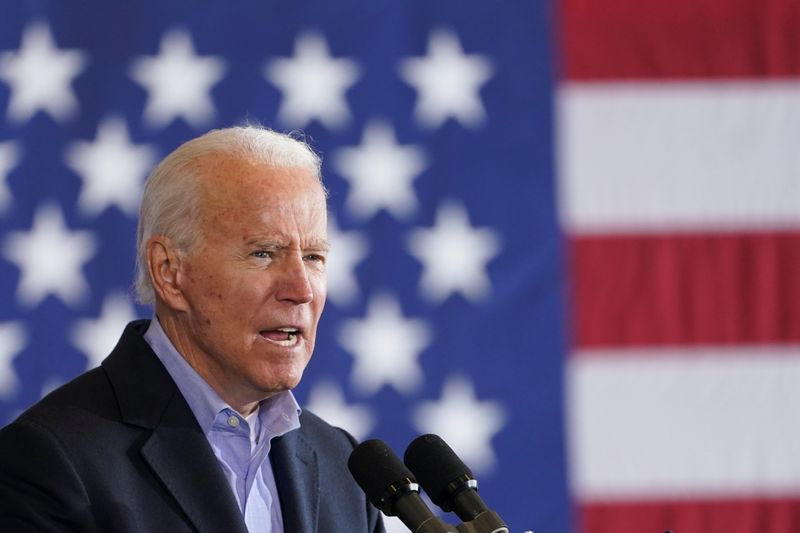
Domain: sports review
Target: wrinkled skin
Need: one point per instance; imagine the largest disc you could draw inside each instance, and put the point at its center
(257, 272)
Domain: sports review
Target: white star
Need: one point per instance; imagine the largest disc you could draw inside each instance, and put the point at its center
(347, 250)
(50, 258)
(178, 82)
(96, 338)
(40, 76)
(380, 173)
(385, 346)
(12, 340)
(447, 82)
(9, 158)
(392, 524)
(313, 83)
(327, 401)
(112, 169)
(465, 423)
(454, 255)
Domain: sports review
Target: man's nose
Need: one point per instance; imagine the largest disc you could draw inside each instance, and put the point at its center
(295, 285)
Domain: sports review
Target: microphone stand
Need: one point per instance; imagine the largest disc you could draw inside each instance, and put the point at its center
(486, 522)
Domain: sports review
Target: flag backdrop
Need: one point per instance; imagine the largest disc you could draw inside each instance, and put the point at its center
(679, 174)
(565, 235)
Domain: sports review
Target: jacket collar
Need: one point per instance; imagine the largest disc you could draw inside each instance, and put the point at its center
(175, 449)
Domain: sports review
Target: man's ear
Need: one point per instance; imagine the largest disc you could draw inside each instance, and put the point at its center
(164, 264)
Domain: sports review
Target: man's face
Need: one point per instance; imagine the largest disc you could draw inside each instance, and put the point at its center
(255, 283)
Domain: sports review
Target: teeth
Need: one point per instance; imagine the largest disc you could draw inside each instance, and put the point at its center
(292, 336)
(291, 341)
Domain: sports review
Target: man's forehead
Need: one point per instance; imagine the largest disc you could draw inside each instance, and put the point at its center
(242, 180)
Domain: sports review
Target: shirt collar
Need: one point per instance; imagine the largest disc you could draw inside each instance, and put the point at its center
(277, 414)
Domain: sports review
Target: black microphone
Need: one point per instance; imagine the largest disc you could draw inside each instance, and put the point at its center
(391, 488)
(450, 483)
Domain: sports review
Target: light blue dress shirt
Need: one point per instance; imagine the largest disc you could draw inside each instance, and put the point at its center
(241, 444)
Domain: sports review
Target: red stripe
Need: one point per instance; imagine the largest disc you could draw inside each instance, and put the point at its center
(649, 290)
(647, 39)
(723, 516)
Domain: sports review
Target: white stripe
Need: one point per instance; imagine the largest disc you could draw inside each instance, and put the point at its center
(684, 423)
(679, 156)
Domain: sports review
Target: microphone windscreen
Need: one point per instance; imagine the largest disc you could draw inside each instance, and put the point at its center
(376, 468)
(436, 465)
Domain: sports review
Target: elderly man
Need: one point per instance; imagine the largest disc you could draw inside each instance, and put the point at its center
(189, 424)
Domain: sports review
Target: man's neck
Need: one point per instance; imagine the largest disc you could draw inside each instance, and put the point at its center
(212, 374)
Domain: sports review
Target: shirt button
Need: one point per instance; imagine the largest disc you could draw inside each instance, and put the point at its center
(233, 421)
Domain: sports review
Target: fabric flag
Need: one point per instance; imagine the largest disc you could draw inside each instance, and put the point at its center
(680, 195)
(434, 120)
(564, 235)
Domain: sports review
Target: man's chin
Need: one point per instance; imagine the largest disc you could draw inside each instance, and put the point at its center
(276, 386)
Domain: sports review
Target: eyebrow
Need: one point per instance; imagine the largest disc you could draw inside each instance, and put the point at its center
(320, 245)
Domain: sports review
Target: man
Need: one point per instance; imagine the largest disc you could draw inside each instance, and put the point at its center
(189, 424)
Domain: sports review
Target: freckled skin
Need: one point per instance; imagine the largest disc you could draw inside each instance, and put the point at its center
(259, 266)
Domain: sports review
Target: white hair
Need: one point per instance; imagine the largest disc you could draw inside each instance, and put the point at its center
(171, 198)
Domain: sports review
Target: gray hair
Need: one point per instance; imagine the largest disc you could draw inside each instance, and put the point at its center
(171, 199)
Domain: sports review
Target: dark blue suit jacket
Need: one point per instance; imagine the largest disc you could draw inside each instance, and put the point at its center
(119, 450)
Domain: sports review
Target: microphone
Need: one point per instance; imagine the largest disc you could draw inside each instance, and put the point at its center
(450, 483)
(390, 487)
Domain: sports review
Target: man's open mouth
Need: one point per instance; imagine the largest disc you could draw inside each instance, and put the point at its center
(282, 336)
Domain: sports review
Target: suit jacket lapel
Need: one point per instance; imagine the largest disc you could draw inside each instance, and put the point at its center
(181, 457)
(296, 470)
(177, 450)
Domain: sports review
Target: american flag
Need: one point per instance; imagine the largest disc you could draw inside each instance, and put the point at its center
(565, 234)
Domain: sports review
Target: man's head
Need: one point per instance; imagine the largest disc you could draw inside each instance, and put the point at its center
(232, 245)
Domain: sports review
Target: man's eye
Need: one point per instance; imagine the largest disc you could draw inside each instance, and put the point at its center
(262, 254)
(316, 258)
